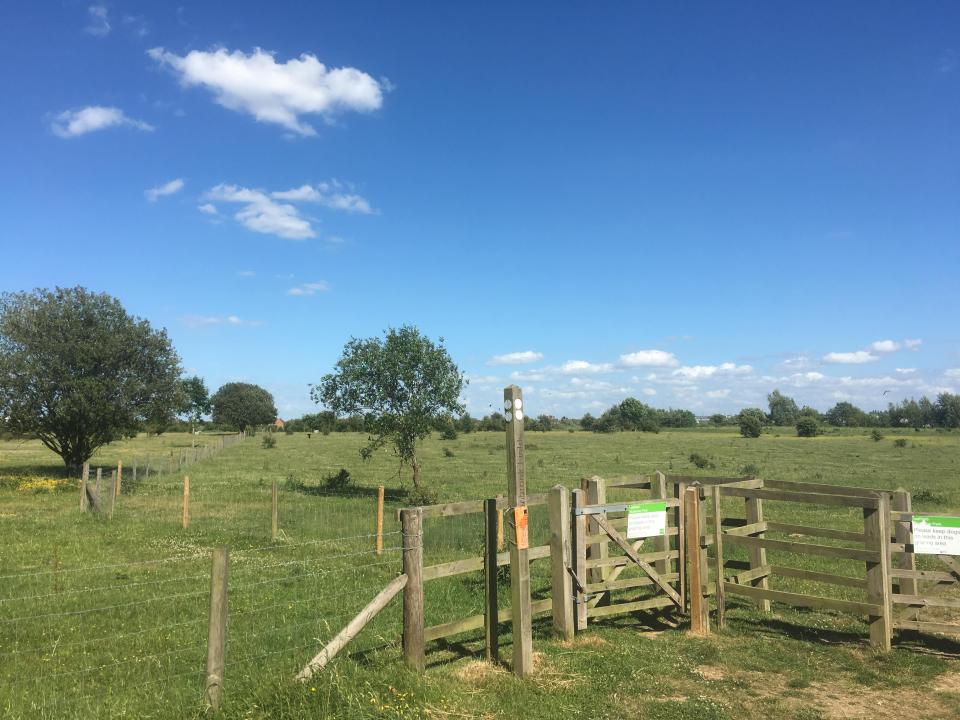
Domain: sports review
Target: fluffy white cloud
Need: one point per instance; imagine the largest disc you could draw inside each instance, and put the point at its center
(650, 392)
(906, 371)
(649, 358)
(98, 21)
(275, 92)
(952, 373)
(311, 288)
(857, 357)
(716, 394)
(885, 346)
(515, 358)
(208, 209)
(329, 194)
(698, 372)
(73, 123)
(582, 366)
(912, 344)
(262, 214)
(174, 186)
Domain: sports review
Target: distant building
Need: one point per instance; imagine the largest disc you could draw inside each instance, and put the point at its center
(279, 424)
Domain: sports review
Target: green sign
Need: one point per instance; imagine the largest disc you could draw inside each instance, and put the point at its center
(936, 535)
(647, 519)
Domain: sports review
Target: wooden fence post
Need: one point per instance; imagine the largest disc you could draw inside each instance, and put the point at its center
(876, 532)
(491, 606)
(596, 488)
(658, 490)
(718, 559)
(699, 610)
(217, 629)
(906, 560)
(757, 555)
(113, 491)
(275, 512)
(84, 476)
(561, 589)
(380, 520)
(411, 521)
(97, 487)
(578, 543)
(134, 471)
(500, 526)
(185, 518)
(679, 518)
(519, 557)
(119, 482)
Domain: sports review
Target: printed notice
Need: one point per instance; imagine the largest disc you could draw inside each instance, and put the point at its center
(936, 535)
(647, 519)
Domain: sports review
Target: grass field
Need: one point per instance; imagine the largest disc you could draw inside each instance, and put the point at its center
(106, 618)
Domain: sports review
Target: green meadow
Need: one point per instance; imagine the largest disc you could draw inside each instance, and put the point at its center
(107, 617)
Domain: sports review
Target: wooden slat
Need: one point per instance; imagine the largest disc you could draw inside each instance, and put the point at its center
(622, 560)
(670, 532)
(932, 575)
(799, 600)
(925, 601)
(638, 482)
(475, 622)
(800, 497)
(748, 576)
(750, 529)
(820, 577)
(930, 627)
(849, 490)
(616, 609)
(807, 548)
(644, 565)
(460, 567)
(814, 531)
(629, 583)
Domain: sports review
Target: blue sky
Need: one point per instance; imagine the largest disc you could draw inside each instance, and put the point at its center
(685, 202)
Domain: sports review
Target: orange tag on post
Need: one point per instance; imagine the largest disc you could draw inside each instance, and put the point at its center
(520, 520)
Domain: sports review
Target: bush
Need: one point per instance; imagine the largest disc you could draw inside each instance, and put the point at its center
(699, 460)
(876, 435)
(751, 469)
(750, 425)
(447, 452)
(268, 442)
(900, 442)
(338, 481)
(448, 433)
(807, 427)
(422, 495)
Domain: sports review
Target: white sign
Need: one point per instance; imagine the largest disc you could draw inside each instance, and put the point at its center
(648, 519)
(936, 535)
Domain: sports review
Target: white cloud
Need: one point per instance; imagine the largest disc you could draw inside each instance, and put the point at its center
(718, 393)
(275, 92)
(98, 21)
(200, 321)
(73, 123)
(813, 376)
(952, 373)
(329, 194)
(582, 366)
(174, 186)
(697, 372)
(528, 375)
(515, 358)
(649, 358)
(906, 371)
(885, 346)
(650, 392)
(912, 344)
(797, 363)
(311, 288)
(208, 209)
(857, 357)
(263, 215)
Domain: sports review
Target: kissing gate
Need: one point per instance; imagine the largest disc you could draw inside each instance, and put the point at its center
(672, 544)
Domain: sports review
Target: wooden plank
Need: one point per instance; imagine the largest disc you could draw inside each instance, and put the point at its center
(579, 552)
(699, 612)
(678, 489)
(353, 627)
(748, 576)
(932, 575)
(806, 548)
(756, 554)
(658, 491)
(718, 559)
(622, 526)
(519, 561)
(751, 529)
(799, 497)
(639, 482)
(928, 627)
(813, 531)
(644, 565)
(618, 608)
(561, 588)
(461, 567)
(475, 622)
(848, 490)
(876, 528)
(491, 595)
(924, 601)
(707, 479)
(84, 477)
(620, 560)
(217, 629)
(799, 600)
(903, 533)
(596, 490)
(413, 642)
(820, 577)
(628, 583)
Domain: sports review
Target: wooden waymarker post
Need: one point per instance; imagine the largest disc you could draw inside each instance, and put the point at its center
(411, 521)
(85, 475)
(380, 520)
(217, 630)
(493, 520)
(185, 519)
(116, 486)
(699, 610)
(275, 512)
(561, 586)
(519, 558)
(876, 535)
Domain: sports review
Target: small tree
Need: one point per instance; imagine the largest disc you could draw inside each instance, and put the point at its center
(783, 409)
(717, 419)
(807, 427)
(78, 372)
(242, 405)
(196, 402)
(750, 425)
(401, 383)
